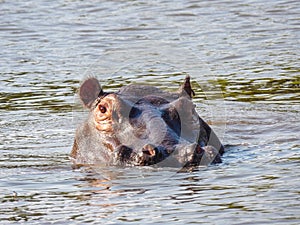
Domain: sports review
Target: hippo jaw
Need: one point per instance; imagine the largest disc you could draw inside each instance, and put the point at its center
(130, 128)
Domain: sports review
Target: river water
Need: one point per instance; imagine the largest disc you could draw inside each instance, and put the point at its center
(244, 59)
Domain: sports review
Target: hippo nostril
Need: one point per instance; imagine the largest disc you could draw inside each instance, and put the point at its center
(149, 149)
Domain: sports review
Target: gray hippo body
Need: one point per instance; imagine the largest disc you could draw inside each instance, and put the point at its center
(143, 125)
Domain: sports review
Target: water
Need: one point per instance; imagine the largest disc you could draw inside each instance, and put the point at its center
(244, 60)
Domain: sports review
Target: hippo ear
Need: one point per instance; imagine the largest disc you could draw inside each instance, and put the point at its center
(186, 89)
(89, 91)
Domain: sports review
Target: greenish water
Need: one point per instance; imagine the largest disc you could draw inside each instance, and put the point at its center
(244, 60)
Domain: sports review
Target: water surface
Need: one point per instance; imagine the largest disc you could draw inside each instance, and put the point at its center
(244, 59)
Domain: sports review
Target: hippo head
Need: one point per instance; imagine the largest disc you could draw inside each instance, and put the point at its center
(143, 125)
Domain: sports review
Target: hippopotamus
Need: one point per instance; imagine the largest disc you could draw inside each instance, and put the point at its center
(141, 125)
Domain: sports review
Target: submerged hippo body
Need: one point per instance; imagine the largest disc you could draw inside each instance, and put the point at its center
(143, 125)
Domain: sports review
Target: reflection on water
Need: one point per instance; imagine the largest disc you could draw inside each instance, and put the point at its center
(279, 90)
(244, 61)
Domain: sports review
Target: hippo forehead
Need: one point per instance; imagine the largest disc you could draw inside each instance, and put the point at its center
(152, 95)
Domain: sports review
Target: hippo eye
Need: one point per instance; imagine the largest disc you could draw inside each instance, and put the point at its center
(102, 109)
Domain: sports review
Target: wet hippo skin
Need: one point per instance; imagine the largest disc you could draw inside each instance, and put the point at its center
(142, 126)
